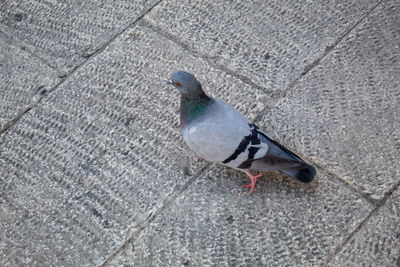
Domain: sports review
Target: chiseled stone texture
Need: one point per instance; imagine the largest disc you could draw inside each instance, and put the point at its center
(377, 243)
(91, 163)
(87, 165)
(217, 223)
(64, 32)
(22, 77)
(270, 42)
(345, 113)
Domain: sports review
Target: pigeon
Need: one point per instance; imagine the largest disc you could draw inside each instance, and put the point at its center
(217, 132)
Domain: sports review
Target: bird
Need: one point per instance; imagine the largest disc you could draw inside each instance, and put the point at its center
(219, 133)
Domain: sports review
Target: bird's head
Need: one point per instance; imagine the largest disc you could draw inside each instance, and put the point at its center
(185, 82)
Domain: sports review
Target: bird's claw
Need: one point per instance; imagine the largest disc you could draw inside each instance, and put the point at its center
(253, 181)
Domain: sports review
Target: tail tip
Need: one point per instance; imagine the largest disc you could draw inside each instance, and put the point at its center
(306, 175)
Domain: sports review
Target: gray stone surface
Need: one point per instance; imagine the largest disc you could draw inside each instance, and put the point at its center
(344, 114)
(22, 79)
(216, 222)
(270, 42)
(92, 161)
(377, 242)
(63, 33)
(94, 170)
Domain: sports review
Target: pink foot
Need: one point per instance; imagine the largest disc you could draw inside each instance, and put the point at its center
(201, 159)
(253, 181)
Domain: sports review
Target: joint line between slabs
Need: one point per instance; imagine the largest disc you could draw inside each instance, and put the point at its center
(354, 189)
(379, 205)
(209, 59)
(9, 124)
(153, 214)
(328, 49)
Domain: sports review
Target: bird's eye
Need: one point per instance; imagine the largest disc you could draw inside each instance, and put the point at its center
(178, 84)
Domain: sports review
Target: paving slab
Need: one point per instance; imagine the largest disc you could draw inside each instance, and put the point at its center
(64, 33)
(268, 42)
(217, 223)
(344, 113)
(377, 243)
(22, 79)
(85, 170)
(86, 167)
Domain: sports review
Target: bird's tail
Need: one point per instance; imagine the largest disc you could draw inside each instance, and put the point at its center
(285, 161)
(304, 174)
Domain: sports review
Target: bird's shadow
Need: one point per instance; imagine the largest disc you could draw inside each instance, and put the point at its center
(271, 181)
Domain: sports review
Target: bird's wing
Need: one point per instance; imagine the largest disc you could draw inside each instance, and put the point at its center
(223, 135)
(277, 157)
(280, 158)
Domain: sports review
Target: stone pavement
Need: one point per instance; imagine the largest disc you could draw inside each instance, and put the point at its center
(93, 170)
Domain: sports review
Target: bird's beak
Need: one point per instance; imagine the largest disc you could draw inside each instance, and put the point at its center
(170, 82)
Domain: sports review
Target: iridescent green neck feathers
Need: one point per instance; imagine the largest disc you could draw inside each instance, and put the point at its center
(193, 105)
